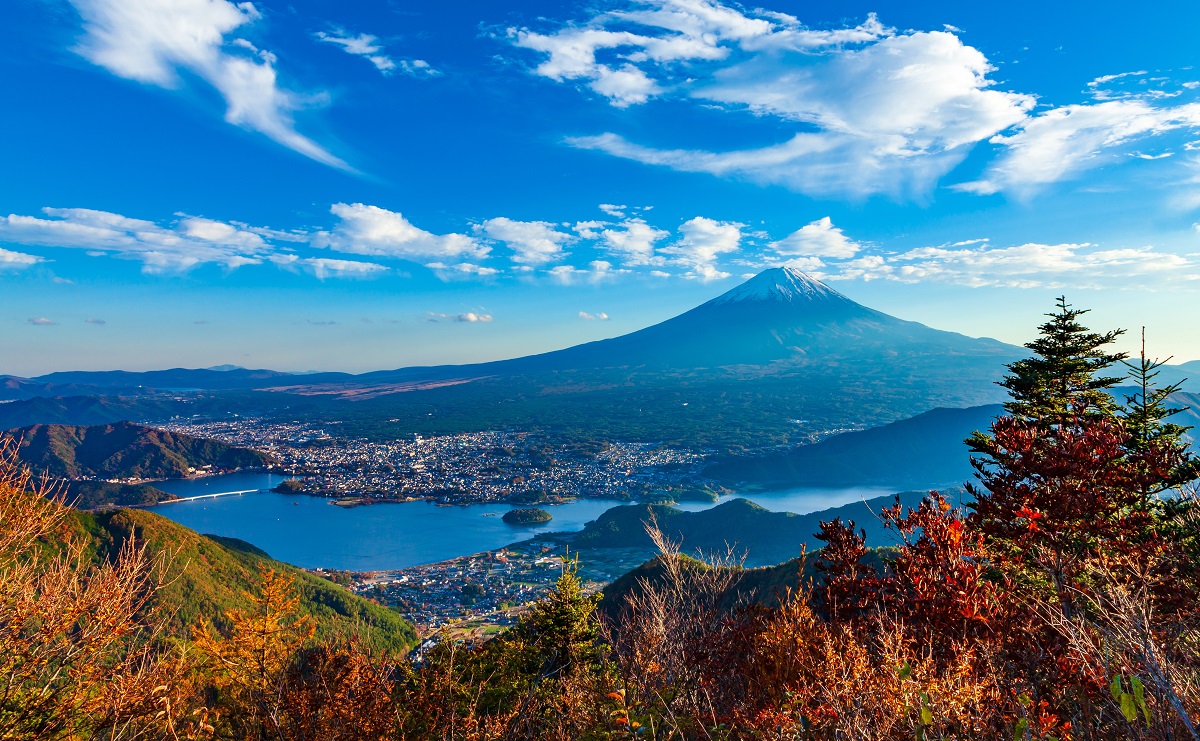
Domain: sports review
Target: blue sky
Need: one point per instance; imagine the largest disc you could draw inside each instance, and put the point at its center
(354, 186)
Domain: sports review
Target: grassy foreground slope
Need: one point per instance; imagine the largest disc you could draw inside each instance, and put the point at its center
(208, 576)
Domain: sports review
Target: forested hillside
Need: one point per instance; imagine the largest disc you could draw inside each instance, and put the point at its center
(207, 576)
(124, 450)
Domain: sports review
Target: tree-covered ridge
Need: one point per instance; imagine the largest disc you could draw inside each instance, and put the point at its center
(759, 536)
(123, 450)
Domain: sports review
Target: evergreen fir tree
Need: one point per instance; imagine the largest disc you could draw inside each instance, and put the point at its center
(1064, 372)
(1145, 414)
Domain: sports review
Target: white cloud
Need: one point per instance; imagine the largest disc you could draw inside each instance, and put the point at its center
(10, 260)
(418, 68)
(324, 267)
(42, 321)
(672, 31)
(152, 41)
(468, 317)
(370, 230)
(596, 272)
(461, 270)
(1027, 266)
(1063, 142)
(599, 316)
(613, 210)
(704, 240)
(818, 239)
(880, 111)
(367, 46)
(532, 242)
(362, 45)
(633, 242)
(589, 229)
(194, 241)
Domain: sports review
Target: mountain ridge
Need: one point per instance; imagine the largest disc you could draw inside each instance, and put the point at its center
(805, 322)
(779, 315)
(123, 450)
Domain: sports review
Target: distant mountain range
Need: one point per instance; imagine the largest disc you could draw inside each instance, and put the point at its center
(781, 317)
(781, 320)
(766, 364)
(86, 410)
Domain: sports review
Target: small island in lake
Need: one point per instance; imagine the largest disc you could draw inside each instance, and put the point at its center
(532, 516)
(290, 486)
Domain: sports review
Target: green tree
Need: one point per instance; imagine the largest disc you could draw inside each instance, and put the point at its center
(562, 629)
(1064, 372)
(1146, 413)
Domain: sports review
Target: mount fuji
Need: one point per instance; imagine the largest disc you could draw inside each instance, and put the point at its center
(775, 359)
(778, 320)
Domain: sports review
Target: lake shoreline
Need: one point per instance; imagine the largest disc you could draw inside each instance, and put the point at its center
(305, 531)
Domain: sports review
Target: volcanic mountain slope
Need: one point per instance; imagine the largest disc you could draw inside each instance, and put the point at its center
(779, 321)
(767, 363)
(780, 316)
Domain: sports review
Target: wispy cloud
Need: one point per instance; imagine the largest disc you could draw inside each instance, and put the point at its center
(190, 242)
(17, 260)
(362, 45)
(875, 110)
(597, 271)
(1063, 142)
(42, 321)
(324, 267)
(461, 270)
(93, 320)
(599, 316)
(467, 317)
(154, 41)
(418, 68)
(977, 263)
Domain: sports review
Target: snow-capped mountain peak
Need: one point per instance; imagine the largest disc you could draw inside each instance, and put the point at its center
(779, 284)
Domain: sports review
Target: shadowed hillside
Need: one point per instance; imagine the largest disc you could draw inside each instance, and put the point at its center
(924, 451)
(766, 537)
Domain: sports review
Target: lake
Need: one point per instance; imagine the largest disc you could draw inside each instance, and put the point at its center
(309, 531)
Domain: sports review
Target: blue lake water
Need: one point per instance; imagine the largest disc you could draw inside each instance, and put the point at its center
(309, 531)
